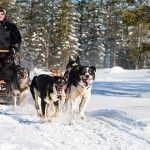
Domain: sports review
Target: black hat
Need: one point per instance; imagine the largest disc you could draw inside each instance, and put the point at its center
(2, 10)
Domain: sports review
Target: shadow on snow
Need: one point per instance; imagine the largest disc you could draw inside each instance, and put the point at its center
(120, 89)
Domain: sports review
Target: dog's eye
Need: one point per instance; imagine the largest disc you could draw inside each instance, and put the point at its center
(83, 71)
(21, 77)
(63, 81)
(25, 77)
(89, 71)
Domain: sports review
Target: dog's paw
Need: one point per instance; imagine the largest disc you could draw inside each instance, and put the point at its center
(39, 113)
(49, 120)
(52, 119)
(72, 122)
(83, 117)
(42, 119)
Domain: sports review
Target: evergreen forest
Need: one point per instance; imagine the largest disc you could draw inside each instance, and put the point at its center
(104, 33)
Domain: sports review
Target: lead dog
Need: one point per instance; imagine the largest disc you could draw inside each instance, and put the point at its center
(79, 89)
(20, 86)
(50, 90)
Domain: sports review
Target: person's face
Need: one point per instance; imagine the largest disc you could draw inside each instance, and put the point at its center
(2, 16)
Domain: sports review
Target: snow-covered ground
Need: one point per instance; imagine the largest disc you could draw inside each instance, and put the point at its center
(117, 118)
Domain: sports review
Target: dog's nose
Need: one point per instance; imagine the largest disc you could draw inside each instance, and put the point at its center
(87, 76)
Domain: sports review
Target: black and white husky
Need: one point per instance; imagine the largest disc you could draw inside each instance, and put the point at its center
(72, 64)
(48, 91)
(79, 89)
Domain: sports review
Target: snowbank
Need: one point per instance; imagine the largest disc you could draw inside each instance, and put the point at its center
(117, 69)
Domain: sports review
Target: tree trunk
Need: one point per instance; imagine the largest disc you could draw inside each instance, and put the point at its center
(138, 44)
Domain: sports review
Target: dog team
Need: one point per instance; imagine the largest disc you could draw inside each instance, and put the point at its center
(57, 92)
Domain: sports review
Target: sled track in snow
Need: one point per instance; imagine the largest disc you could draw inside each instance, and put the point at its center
(95, 132)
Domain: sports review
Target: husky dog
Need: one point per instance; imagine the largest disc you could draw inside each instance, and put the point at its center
(72, 64)
(20, 86)
(79, 89)
(48, 91)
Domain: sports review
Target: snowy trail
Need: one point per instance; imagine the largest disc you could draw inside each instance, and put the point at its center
(98, 131)
(117, 118)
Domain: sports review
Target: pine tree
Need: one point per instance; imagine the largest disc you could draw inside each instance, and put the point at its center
(65, 30)
(90, 32)
(138, 19)
(38, 32)
(103, 33)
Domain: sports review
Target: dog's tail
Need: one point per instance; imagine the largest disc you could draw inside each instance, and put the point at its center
(33, 86)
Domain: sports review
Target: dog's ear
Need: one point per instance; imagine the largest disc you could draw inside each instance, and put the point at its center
(93, 67)
(70, 59)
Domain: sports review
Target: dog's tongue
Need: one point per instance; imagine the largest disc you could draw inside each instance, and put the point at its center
(87, 82)
(59, 88)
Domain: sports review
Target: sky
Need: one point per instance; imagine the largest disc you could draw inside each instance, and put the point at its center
(117, 118)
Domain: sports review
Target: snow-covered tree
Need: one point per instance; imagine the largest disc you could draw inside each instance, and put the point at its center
(66, 39)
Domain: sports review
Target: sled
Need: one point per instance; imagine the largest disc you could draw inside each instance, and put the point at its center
(6, 75)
